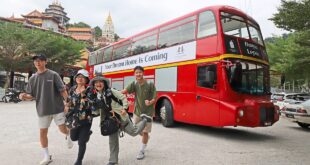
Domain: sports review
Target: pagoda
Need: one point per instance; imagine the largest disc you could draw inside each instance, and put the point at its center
(57, 11)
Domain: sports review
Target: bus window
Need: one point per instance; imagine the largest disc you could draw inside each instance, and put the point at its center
(92, 58)
(255, 35)
(246, 77)
(121, 52)
(144, 45)
(107, 54)
(176, 35)
(234, 25)
(206, 24)
(207, 76)
(100, 56)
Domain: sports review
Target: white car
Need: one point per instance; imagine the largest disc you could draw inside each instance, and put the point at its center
(299, 113)
(281, 99)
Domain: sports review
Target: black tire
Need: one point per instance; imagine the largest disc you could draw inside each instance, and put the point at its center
(166, 113)
(303, 125)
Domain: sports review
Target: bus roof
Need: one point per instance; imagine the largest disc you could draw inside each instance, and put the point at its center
(213, 8)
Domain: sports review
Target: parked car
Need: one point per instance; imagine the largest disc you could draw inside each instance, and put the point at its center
(299, 113)
(280, 99)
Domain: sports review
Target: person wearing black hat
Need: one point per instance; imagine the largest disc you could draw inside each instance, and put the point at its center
(114, 102)
(47, 88)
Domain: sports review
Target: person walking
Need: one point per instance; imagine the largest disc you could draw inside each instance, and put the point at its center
(79, 115)
(47, 88)
(145, 97)
(110, 100)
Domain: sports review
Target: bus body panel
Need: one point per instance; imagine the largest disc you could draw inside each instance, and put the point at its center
(219, 105)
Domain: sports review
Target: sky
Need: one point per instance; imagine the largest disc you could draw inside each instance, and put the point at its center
(133, 16)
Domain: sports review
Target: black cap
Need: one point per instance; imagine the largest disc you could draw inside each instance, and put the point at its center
(40, 57)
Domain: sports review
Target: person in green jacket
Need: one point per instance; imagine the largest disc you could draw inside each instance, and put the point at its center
(102, 92)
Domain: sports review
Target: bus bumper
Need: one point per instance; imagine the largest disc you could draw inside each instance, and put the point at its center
(257, 114)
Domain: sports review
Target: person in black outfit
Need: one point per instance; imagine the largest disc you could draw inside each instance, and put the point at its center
(79, 116)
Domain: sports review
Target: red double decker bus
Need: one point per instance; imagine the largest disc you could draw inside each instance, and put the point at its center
(210, 67)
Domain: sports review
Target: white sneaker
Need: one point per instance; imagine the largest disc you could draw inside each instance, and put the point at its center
(140, 155)
(69, 142)
(46, 161)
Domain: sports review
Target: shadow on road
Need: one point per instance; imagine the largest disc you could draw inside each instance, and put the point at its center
(237, 134)
(297, 128)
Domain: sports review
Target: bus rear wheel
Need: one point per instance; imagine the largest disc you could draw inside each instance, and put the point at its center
(166, 113)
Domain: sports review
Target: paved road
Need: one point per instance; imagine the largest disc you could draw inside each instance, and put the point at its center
(284, 143)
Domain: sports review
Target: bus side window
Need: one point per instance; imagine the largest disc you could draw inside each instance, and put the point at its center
(207, 76)
(206, 25)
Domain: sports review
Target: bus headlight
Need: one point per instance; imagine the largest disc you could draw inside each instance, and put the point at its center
(240, 113)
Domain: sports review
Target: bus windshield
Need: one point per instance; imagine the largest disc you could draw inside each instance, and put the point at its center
(239, 27)
(249, 78)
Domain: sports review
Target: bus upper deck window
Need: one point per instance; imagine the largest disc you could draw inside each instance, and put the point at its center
(206, 25)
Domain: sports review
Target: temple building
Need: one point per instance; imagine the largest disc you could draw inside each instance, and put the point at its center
(108, 30)
(54, 18)
(57, 11)
(81, 34)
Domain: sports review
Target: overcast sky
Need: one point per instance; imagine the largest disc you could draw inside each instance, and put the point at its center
(133, 16)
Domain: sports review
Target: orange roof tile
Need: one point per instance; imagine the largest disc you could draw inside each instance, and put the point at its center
(82, 37)
(76, 29)
(34, 13)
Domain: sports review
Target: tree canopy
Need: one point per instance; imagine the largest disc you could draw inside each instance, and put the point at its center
(79, 24)
(98, 32)
(18, 44)
(293, 15)
(290, 54)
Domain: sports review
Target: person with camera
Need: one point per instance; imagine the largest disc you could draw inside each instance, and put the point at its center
(79, 116)
(112, 103)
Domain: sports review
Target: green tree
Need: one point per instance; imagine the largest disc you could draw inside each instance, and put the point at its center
(13, 49)
(79, 24)
(98, 32)
(17, 44)
(291, 55)
(293, 15)
(116, 37)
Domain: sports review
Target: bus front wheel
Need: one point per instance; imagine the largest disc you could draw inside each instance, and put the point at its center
(166, 113)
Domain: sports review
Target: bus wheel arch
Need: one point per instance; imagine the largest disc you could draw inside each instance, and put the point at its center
(164, 111)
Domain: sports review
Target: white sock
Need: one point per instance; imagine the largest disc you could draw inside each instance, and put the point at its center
(143, 147)
(45, 152)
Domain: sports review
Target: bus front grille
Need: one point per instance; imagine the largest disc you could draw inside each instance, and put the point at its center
(266, 115)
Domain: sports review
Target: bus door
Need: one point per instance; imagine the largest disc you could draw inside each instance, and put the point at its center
(207, 95)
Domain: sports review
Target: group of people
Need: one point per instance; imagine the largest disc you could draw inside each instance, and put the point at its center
(84, 101)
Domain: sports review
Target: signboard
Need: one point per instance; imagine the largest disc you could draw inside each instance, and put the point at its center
(173, 54)
(250, 49)
(247, 48)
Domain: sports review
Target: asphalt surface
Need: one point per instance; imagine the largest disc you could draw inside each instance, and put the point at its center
(284, 143)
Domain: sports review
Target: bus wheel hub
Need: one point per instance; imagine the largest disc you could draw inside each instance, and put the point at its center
(163, 113)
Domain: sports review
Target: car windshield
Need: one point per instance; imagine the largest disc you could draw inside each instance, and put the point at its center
(247, 77)
(298, 97)
(239, 27)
